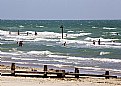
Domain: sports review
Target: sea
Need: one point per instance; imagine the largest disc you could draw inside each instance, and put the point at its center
(78, 48)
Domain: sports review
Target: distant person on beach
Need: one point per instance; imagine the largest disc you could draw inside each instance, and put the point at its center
(99, 42)
(35, 33)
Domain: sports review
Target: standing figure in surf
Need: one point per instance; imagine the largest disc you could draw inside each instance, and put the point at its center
(20, 43)
(99, 42)
(35, 33)
(94, 42)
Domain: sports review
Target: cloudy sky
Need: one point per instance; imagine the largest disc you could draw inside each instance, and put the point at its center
(60, 9)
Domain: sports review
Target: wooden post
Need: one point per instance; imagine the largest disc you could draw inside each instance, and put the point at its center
(45, 70)
(76, 71)
(13, 69)
(107, 73)
(62, 30)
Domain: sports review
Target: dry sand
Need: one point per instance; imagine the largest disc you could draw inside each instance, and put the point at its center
(27, 81)
(23, 81)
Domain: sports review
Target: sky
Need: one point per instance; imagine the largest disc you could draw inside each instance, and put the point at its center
(60, 9)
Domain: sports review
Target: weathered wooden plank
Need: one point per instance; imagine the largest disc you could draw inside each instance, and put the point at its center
(93, 75)
(35, 72)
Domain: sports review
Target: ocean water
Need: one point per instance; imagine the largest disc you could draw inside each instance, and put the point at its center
(47, 47)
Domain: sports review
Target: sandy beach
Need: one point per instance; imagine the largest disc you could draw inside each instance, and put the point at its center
(27, 81)
(23, 81)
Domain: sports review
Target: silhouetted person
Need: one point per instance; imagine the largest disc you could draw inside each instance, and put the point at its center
(35, 33)
(27, 33)
(99, 41)
(94, 42)
(21, 43)
(66, 35)
(64, 44)
(18, 32)
(116, 33)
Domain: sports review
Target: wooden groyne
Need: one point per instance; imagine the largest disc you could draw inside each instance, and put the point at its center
(53, 74)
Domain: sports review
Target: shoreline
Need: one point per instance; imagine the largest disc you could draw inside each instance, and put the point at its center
(70, 69)
(29, 81)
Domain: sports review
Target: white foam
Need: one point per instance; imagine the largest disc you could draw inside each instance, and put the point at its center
(94, 27)
(64, 61)
(40, 26)
(77, 35)
(104, 53)
(43, 60)
(96, 59)
(28, 59)
(16, 58)
(6, 61)
(60, 65)
(21, 26)
(101, 39)
(8, 53)
(108, 28)
(70, 31)
(22, 62)
(92, 68)
(57, 56)
(3, 32)
(40, 52)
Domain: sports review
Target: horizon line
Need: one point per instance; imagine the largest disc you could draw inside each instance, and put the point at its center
(60, 19)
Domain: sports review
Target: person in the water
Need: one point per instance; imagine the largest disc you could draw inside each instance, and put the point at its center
(20, 43)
